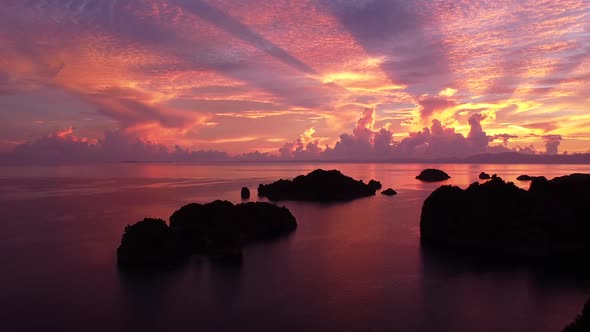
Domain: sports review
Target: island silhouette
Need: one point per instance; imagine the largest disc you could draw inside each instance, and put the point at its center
(319, 186)
(432, 175)
(218, 229)
(484, 176)
(389, 192)
(547, 224)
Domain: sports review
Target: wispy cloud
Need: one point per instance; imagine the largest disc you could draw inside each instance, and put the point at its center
(164, 70)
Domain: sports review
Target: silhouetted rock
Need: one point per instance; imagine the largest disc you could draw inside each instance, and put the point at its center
(432, 175)
(219, 229)
(320, 186)
(221, 226)
(389, 192)
(484, 176)
(149, 244)
(548, 223)
(531, 178)
(582, 321)
(245, 193)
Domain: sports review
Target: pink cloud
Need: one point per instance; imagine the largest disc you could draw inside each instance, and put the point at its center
(430, 105)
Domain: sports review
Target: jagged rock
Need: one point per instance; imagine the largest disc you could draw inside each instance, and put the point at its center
(245, 193)
(549, 222)
(484, 176)
(432, 175)
(582, 321)
(389, 192)
(320, 186)
(219, 228)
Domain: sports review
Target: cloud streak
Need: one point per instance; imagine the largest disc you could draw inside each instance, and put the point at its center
(203, 74)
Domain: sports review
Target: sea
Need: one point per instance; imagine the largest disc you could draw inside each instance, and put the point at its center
(354, 266)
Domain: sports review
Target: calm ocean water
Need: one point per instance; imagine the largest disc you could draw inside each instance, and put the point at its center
(354, 266)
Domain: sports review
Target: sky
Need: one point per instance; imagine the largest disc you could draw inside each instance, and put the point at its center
(335, 79)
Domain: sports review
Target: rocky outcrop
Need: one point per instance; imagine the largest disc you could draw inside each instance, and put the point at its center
(530, 178)
(524, 177)
(319, 186)
(432, 175)
(219, 229)
(582, 321)
(549, 222)
(389, 192)
(484, 176)
(245, 193)
(149, 244)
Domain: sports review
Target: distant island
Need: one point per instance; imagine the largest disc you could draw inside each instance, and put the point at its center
(218, 229)
(432, 175)
(389, 192)
(319, 186)
(548, 223)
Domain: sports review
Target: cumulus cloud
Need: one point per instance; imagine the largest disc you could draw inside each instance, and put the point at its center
(64, 147)
(477, 137)
(552, 143)
(437, 141)
(365, 143)
(304, 148)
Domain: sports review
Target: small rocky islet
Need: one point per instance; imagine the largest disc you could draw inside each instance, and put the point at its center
(389, 192)
(245, 193)
(218, 229)
(525, 177)
(319, 186)
(484, 176)
(547, 223)
(432, 175)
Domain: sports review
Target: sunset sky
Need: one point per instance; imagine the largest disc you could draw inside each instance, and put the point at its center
(288, 77)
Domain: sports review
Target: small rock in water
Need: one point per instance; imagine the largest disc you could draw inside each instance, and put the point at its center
(389, 192)
(432, 175)
(484, 176)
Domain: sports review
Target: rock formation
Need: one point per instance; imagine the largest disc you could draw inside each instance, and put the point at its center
(432, 175)
(484, 176)
(389, 192)
(245, 193)
(319, 186)
(549, 222)
(149, 243)
(218, 229)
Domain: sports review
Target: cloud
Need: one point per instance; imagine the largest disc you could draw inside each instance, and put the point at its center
(477, 137)
(164, 68)
(552, 143)
(62, 147)
(545, 126)
(367, 143)
(304, 148)
(231, 25)
(503, 137)
(430, 105)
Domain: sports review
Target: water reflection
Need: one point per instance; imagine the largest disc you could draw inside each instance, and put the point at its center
(348, 266)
